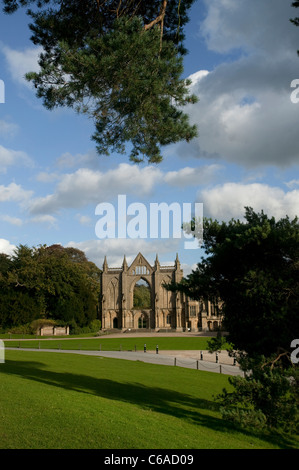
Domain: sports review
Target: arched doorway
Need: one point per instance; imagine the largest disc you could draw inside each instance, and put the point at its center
(115, 322)
(143, 321)
(142, 296)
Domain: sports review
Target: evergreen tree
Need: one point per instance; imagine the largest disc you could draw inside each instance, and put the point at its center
(118, 61)
(253, 267)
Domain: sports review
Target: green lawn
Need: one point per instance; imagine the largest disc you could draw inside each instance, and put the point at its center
(110, 344)
(52, 400)
(29, 336)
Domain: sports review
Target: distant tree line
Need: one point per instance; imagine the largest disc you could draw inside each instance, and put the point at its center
(50, 283)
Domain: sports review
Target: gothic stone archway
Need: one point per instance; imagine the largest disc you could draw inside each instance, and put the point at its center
(118, 296)
(167, 311)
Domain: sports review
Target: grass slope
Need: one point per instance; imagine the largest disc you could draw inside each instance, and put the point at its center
(51, 400)
(110, 344)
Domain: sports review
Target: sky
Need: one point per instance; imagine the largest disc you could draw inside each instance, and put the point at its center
(243, 64)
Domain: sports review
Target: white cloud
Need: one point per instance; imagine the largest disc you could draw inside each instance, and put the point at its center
(44, 219)
(7, 129)
(12, 220)
(6, 247)
(85, 186)
(45, 177)
(188, 269)
(196, 76)
(89, 159)
(293, 183)
(245, 114)
(254, 26)
(228, 201)
(84, 219)
(14, 192)
(21, 62)
(115, 249)
(242, 123)
(9, 157)
(192, 176)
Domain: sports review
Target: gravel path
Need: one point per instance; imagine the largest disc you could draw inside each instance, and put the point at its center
(187, 359)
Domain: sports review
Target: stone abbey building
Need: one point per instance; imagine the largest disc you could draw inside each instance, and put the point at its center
(167, 311)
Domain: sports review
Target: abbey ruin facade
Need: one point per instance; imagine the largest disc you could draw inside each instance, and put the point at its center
(167, 311)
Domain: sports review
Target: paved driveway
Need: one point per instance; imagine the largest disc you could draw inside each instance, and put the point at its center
(172, 358)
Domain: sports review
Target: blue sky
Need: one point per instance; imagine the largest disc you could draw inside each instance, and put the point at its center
(242, 59)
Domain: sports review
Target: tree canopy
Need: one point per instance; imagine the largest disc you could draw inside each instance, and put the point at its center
(142, 296)
(295, 20)
(53, 283)
(253, 267)
(119, 62)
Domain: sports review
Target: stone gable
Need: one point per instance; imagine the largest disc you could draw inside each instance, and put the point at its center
(168, 311)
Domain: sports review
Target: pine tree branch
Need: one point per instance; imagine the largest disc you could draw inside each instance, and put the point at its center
(278, 357)
(159, 19)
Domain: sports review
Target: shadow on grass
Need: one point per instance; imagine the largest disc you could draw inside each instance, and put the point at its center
(160, 400)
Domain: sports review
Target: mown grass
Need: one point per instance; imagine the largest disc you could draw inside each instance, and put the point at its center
(30, 336)
(63, 401)
(115, 344)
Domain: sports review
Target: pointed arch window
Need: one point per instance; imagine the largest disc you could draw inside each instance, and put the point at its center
(141, 270)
